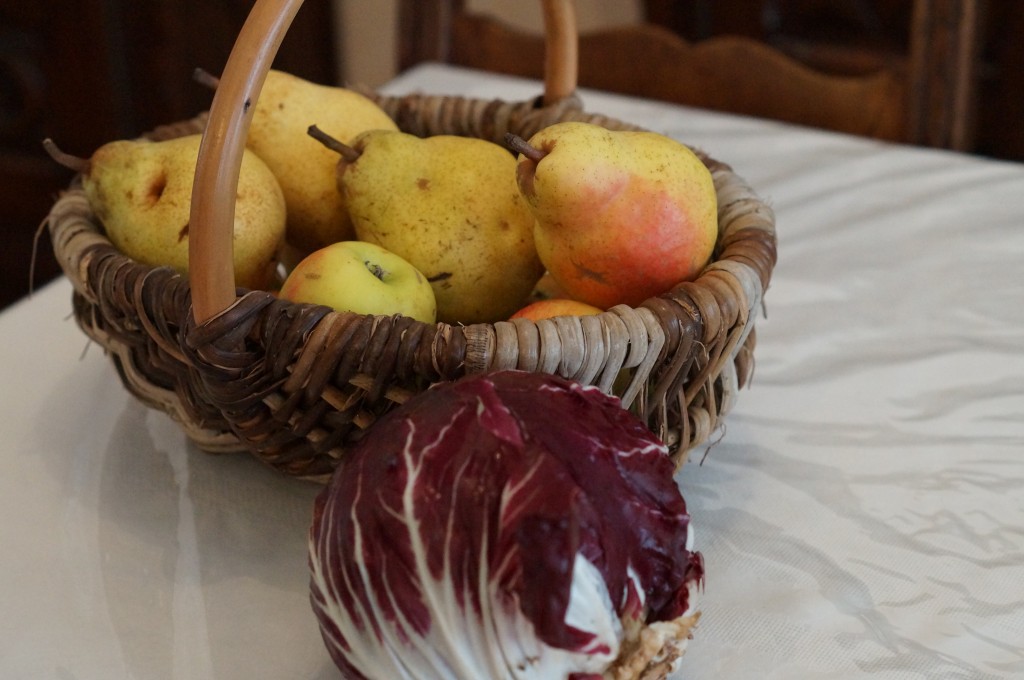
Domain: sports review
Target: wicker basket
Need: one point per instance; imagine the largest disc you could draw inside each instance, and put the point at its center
(296, 384)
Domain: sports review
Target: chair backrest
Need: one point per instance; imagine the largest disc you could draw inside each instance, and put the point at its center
(925, 96)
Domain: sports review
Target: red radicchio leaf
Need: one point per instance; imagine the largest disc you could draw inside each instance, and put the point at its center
(508, 519)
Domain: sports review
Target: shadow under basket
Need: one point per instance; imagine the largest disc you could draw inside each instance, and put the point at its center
(296, 384)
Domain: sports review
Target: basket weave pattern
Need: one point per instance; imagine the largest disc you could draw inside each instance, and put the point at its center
(296, 384)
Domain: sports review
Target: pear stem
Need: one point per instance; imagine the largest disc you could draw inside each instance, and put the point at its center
(205, 78)
(347, 153)
(520, 145)
(79, 165)
(375, 269)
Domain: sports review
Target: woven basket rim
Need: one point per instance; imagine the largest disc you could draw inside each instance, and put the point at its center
(708, 321)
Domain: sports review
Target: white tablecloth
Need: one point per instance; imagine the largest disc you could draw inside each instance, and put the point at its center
(861, 516)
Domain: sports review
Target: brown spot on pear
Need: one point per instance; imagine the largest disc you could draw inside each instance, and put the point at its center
(155, 191)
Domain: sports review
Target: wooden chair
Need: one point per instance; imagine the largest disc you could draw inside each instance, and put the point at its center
(925, 96)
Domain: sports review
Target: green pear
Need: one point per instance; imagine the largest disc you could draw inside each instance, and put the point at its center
(141, 192)
(622, 216)
(449, 205)
(286, 107)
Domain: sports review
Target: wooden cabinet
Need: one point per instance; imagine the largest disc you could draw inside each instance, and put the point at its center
(1000, 132)
(90, 71)
(857, 36)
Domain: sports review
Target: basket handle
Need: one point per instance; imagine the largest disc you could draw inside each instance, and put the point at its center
(212, 215)
(561, 49)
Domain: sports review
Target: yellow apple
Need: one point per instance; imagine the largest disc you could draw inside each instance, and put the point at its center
(364, 278)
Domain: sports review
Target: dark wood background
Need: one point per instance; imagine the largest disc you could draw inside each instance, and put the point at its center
(90, 71)
(851, 35)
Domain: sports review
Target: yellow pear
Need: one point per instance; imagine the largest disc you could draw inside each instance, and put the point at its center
(141, 191)
(621, 215)
(449, 205)
(286, 107)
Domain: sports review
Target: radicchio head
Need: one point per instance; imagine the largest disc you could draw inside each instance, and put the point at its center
(509, 525)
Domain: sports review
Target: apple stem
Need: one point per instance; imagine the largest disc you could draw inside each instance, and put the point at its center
(205, 78)
(79, 165)
(520, 145)
(376, 270)
(347, 153)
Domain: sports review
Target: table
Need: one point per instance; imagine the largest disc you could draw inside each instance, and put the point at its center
(860, 516)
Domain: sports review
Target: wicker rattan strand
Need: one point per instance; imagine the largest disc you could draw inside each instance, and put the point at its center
(296, 384)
